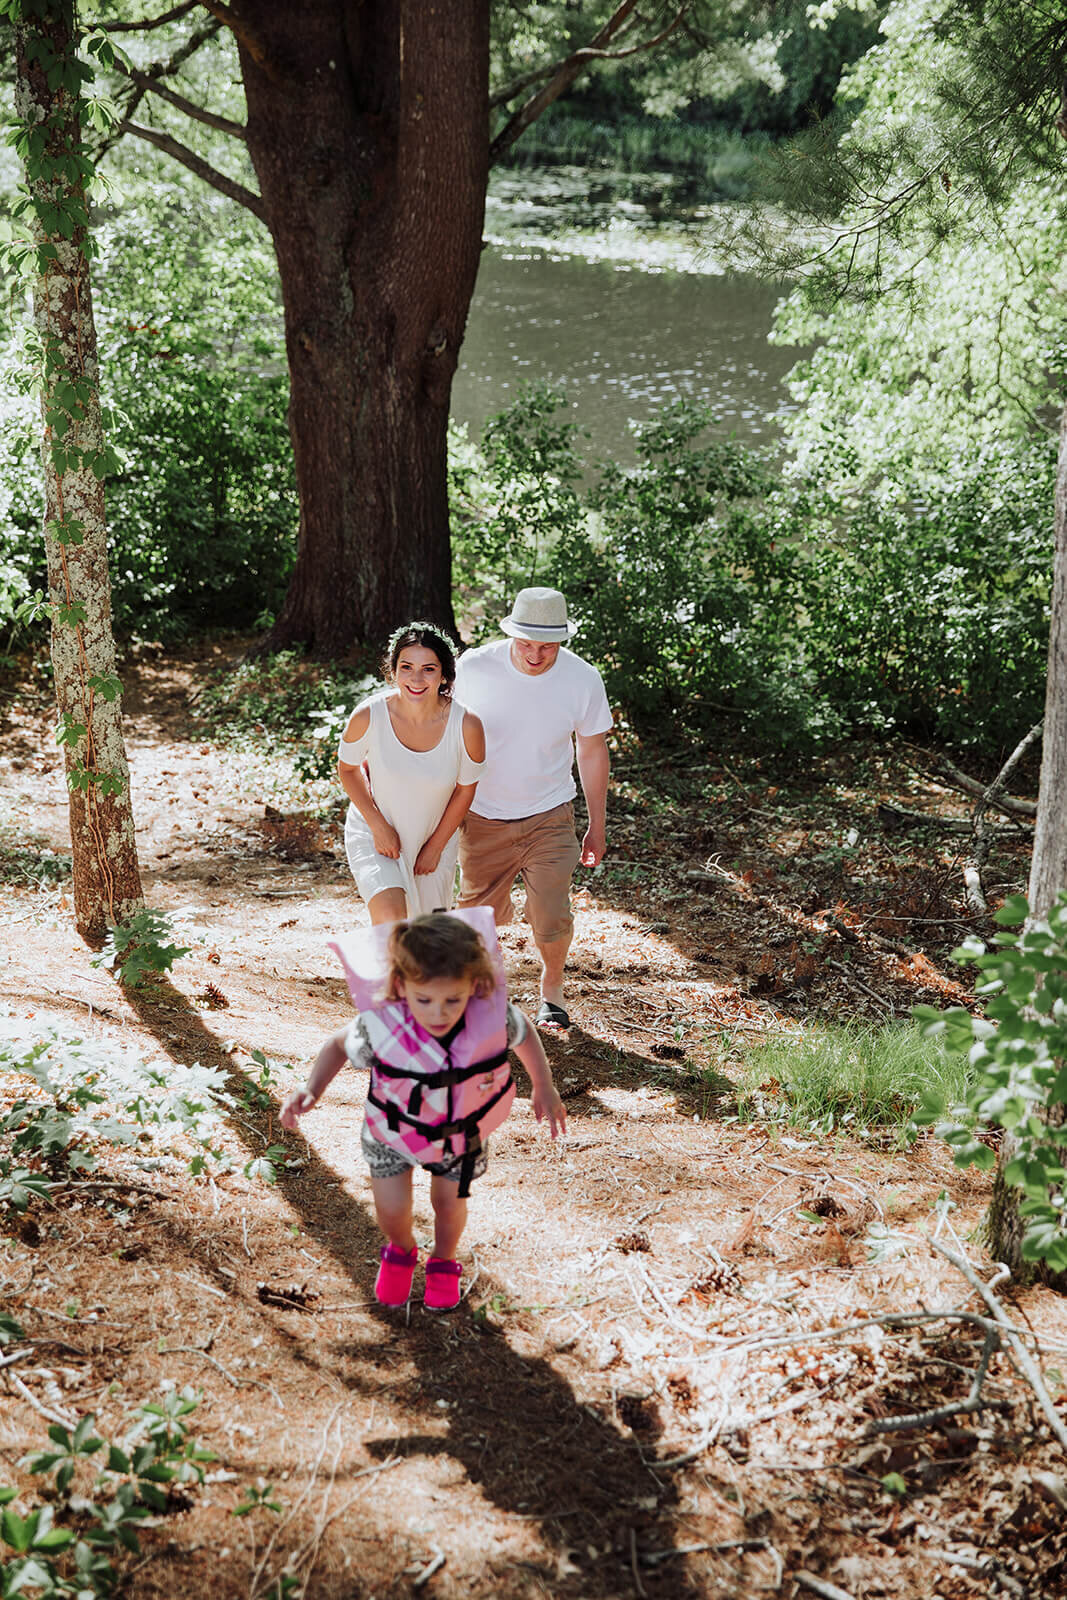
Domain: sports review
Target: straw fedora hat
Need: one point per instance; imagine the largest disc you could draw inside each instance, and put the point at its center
(541, 615)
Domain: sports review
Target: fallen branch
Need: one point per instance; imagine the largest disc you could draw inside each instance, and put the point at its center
(992, 795)
(238, 1383)
(638, 1585)
(983, 836)
(53, 1414)
(973, 1402)
(1024, 1361)
(435, 1564)
(900, 817)
(989, 1568)
(839, 966)
(944, 769)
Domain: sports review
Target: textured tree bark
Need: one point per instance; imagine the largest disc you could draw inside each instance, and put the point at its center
(368, 129)
(107, 883)
(1048, 868)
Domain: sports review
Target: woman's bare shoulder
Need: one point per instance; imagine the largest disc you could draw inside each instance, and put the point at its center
(358, 723)
(473, 736)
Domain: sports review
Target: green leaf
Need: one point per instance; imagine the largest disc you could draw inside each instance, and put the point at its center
(83, 1441)
(1015, 909)
(10, 1330)
(109, 688)
(55, 1539)
(18, 1531)
(151, 1495)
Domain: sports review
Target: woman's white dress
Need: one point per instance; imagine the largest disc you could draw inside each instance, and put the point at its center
(411, 789)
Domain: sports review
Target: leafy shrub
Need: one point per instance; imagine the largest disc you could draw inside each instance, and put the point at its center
(25, 858)
(677, 586)
(297, 706)
(90, 1096)
(933, 616)
(511, 501)
(139, 947)
(202, 514)
(64, 1546)
(1018, 1053)
(710, 588)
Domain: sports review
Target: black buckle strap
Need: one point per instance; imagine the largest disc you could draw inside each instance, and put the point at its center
(448, 1077)
(439, 1132)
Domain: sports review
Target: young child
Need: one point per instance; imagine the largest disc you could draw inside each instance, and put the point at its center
(434, 1029)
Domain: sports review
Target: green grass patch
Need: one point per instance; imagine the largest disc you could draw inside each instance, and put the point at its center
(27, 861)
(849, 1076)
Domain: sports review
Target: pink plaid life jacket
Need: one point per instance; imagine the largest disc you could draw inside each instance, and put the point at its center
(427, 1099)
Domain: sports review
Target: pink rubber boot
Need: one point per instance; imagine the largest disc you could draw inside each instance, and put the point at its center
(393, 1284)
(442, 1284)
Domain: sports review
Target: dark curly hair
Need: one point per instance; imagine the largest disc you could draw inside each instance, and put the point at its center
(437, 945)
(427, 637)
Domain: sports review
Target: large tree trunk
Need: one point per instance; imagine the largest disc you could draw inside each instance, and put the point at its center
(107, 883)
(1048, 867)
(367, 126)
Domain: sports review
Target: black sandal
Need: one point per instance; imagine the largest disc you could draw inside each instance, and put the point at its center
(552, 1016)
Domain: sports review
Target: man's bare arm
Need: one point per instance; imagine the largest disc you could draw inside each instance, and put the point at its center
(594, 769)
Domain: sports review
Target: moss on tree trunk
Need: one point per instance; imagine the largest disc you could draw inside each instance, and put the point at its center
(107, 883)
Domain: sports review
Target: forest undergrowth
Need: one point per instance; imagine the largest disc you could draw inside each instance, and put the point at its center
(692, 1334)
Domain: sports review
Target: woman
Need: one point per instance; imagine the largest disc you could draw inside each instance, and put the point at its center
(409, 762)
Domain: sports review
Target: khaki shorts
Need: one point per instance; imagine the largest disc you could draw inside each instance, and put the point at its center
(543, 849)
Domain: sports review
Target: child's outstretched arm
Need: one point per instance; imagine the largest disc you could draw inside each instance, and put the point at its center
(545, 1098)
(328, 1063)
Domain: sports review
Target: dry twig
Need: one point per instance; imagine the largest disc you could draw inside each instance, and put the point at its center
(973, 1402)
(1024, 1361)
(829, 1591)
(50, 1412)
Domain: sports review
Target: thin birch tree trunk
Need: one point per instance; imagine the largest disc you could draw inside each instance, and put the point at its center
(1048, 867)
(107, 883)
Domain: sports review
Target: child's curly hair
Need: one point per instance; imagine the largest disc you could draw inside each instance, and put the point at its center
(437, 945)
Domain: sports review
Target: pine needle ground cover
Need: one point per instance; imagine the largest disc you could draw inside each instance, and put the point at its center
(682, 1332)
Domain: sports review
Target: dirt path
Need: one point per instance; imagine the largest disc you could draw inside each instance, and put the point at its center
(617, 1408)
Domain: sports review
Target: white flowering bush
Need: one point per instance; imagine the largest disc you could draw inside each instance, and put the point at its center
(64, 1099)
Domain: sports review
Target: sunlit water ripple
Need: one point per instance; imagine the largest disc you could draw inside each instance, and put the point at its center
(618, 297)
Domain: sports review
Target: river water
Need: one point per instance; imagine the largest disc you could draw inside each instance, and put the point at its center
(615, 296)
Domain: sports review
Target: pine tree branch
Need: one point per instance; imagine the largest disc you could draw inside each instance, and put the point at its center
(885, 210)
(136, 90)
(500, 97)
(203, 169)
(147, 23)
(566, 71)
(146, 81)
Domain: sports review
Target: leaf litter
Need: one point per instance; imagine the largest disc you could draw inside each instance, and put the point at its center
(682, 1333)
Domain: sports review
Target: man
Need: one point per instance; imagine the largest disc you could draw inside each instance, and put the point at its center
(535, 699)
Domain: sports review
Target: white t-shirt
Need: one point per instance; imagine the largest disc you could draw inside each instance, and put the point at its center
(529, 726)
